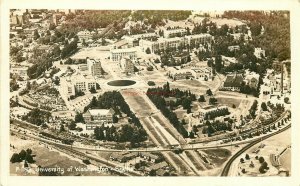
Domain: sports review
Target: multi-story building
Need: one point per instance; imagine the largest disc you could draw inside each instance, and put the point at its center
(133, 40)
(162, 44)
(97, 117)
(77, 83)
(127, 65)
(94, 67)
(175, 42)
(211, 112)
(180, 74)
(194, 40)
(174, 33)
(233, 82)
(203, 73)
(118, 54)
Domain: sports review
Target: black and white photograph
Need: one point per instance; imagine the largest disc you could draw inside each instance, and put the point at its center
(150, 93)
(166, 93)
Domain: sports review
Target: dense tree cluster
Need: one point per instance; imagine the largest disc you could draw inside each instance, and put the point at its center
(126, 133)
(23, 155)
(253, 109)
(94, 19)
(157, 17)
(37, 117)
(211, 128)
(184, 98)
(217, 113)
(276, 37)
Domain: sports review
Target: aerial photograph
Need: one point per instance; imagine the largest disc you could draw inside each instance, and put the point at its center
(149, 93)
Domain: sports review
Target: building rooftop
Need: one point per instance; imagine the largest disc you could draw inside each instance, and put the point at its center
(233, 80)
(99, 111)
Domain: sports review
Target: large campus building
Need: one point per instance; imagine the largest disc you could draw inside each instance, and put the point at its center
(211, 112)
(133, 40)
(233, 82)
(175, 42)
(94, 67)
(175, 32)
(117, 54)
(77, 83)
(97, 117)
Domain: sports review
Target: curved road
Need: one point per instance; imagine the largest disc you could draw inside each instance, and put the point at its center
(236, 155)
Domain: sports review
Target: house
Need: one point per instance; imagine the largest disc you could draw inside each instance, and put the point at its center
(97, 117)
(233, 82)
(150, 157)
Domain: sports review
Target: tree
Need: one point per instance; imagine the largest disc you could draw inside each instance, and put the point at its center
(79, 118)
(72, 125)
(212, 101)
(115, 119)
(62, 128)
(151, 83)
(201, 99)
(233, 106)
(242, 160)
(29, 158)
(93, 90)
(261, 159)
(148, 51)
(286, 100)
(150, 68)
(152, 173)
(15, 158)
(218, 63)
(69, 61)
(247, 157)
(264, 106)
(209, 92)
(156, 60)
(56, 81)
(97, 86)
(22, 154)
(36, 35)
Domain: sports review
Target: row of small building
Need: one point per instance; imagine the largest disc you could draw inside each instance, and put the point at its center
(154, 162)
